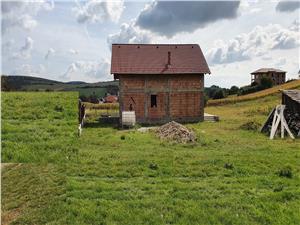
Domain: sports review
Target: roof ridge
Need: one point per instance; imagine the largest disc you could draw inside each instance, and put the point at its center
(154, 44)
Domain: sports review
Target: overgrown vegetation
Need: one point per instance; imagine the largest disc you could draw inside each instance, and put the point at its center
(228, 176)
(259, 94)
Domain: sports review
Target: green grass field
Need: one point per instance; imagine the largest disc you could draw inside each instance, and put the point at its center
(38, 127)
(229, 176)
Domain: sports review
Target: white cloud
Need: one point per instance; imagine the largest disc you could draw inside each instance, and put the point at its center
(94, 11)
(7, 46)
(29, 70)
(25, 50)
(20, 14)
(295, 26)
(131, 34)
(255, 10)
(50, 52)
(280, 62)
(73, 51)
(255, 43)
(95, 70)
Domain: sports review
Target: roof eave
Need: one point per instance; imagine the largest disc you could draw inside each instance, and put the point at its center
(128, 73)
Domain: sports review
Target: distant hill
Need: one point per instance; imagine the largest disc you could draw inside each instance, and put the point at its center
(76, 82)
(86, 90)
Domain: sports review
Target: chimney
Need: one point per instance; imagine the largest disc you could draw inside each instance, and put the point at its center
(169, 58)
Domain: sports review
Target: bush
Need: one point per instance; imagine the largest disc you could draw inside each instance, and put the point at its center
(233, 90)
(58, 108)
(248, 89)
(153, 166)
(122, 137)
(251, 125)
(228, 166)
(254, 83)
(286, 172)
(265, 83)
(219, 94)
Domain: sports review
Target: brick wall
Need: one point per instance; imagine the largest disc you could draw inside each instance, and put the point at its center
(277, 78)
(179, 97)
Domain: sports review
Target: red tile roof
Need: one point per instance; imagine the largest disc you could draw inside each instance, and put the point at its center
(153, 59)
(265, 70)
(111, 99)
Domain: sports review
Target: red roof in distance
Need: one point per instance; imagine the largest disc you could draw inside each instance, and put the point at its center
(266, 70)
(111, 99)
(155, 59)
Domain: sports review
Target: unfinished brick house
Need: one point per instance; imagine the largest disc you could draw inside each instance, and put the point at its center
(160, 83)
(277, 76)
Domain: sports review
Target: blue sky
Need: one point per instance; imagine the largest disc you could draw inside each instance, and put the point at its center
(71, 40)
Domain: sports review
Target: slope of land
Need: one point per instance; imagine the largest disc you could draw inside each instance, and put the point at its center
(26, 83)
(270, 91)
(231, 175)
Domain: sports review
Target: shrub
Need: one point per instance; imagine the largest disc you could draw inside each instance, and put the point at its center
(233, 90)
(278, 188)
(266, 82)
(251, 125)
(122, 137)
(228, 166)
(248, 89)
(153, 166)
(219, 94)
(286, 172)
(58, 108)
(254, 83)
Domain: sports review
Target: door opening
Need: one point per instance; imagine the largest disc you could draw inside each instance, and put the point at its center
(153, 101)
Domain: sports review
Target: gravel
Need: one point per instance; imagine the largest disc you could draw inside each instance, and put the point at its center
(176, 132)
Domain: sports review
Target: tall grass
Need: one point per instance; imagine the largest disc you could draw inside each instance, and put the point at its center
(101, 110)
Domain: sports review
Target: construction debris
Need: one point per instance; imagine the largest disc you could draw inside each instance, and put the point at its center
(145, 129)
(174, 131)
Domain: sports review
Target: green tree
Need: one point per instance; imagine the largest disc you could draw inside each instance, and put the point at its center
(266, 82)
(233, 90)
(219, 94)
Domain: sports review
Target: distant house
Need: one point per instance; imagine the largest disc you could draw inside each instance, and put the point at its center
(160, 82)
(111, 99)
(277, 76)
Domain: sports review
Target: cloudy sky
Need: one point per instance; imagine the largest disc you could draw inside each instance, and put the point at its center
(71, 40)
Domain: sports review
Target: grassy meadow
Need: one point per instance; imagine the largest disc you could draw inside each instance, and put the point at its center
(38, 127)
(232, 175)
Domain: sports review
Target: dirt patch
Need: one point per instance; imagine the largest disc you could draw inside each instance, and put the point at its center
(176, 132)
(7, 217)
(9, 165)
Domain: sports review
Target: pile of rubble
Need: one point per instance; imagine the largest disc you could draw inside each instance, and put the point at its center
(174, 131)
